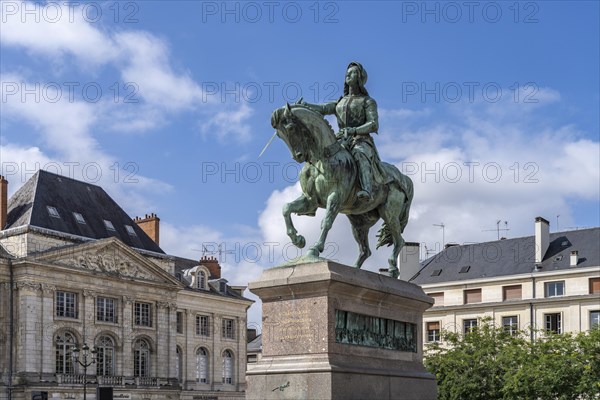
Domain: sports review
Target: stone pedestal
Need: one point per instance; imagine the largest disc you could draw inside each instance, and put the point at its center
(335, 332)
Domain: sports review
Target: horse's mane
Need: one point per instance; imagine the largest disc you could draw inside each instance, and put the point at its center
(314, 118)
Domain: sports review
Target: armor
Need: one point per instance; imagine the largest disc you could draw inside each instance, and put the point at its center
(357, 118)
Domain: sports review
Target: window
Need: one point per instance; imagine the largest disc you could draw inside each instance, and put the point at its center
(143, 314)
(553, 322)
(130, 230)
(179, 322)
(202, 365)
(472, 296)
(554, 289)
(109, 225)
(510, 324)
(201, 280)
(227, 367)
(464, 269)
(66, 304)
(106, 310)
(105, 358)
(594, 319)
(594, 285)
(438, 298)
(202, 325)
(512, 293)
(141, 358)
(228, 329)
(179, 363)
(79, 218)
(469, 325)
(223, 287)
(433, 331)
(53, 212)
(64, 344)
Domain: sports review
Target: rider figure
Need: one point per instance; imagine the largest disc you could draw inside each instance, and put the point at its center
(357, 118)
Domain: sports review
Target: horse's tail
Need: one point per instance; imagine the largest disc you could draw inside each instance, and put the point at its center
(405, 184)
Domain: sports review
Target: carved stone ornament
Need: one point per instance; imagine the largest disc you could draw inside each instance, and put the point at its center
(162, 304)
(110, 262)
(48, 288)
(27, 285)
(128, 299)
(88, 293)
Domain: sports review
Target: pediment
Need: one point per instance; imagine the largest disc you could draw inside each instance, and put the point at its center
(108, 256)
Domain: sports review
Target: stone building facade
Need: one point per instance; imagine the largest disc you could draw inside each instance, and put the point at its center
(75, 270)
(548, 281)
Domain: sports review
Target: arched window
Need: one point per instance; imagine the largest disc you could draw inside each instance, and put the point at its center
(64, 344)
(227, 367)
(179, 364)
(202, 365)
(141, 358)
(105, 358)
(201, 279)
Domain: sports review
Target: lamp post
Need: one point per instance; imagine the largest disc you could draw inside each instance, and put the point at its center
(89, 358)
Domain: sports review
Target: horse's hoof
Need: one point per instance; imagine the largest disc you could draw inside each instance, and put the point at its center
(300, 242)
(394, 273)
(313, 253)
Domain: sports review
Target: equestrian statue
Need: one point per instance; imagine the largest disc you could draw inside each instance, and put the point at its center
(343, 172)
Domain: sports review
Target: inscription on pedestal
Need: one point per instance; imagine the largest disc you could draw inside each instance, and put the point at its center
(363, 330)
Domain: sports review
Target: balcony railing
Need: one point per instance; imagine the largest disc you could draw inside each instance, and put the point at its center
(107, 380)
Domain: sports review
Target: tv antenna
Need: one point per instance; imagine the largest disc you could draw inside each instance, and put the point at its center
(219, 251)
(498, 229)
(441, 225)
(427, 251)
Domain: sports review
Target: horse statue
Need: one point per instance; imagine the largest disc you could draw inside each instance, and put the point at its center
(329, 181)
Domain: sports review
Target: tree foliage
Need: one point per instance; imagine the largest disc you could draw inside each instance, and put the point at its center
(490, 364)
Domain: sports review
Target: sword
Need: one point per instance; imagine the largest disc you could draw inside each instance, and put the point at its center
(268, 144)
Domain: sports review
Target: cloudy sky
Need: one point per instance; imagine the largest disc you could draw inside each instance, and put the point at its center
(490, 107)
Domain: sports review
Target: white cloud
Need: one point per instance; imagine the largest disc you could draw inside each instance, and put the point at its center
(229, 124)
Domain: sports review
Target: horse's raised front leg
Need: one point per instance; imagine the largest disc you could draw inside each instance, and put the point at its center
(333, 208)
(301, 205)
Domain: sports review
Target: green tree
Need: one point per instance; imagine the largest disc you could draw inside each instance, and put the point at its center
(490, 364)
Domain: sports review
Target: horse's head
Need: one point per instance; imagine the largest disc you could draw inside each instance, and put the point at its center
(305, 132)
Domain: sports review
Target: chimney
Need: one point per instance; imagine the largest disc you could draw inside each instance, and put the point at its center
(574, 258)
(151, 225)
(213, 266)
(3, 202)
(542, 238)
(408, 260)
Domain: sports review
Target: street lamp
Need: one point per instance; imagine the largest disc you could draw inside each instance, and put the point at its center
(89, 358)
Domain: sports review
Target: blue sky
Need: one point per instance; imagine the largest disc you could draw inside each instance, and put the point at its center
(491, 107)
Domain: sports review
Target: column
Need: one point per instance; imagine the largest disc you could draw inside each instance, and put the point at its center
(163, 350)
(28, 330)
(127, 351)
(47, 321)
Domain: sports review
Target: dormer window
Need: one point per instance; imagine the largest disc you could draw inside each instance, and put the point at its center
(130, 230)
(53, 212)
(79, 218)
(109, 225)
(201, 280)
(223, 287)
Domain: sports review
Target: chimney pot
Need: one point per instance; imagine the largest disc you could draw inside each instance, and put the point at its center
(408, 260)
(574, 258)
(151, 226)
(542, 238)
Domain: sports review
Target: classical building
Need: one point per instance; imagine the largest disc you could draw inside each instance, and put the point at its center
(549, 281)
(76, 270)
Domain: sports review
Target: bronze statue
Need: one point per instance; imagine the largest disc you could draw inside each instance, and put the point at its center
(357, 118)
(329, 177)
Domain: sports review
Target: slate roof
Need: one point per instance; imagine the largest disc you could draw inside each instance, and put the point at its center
(509, 257)
(255, 345)
(29, 206)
